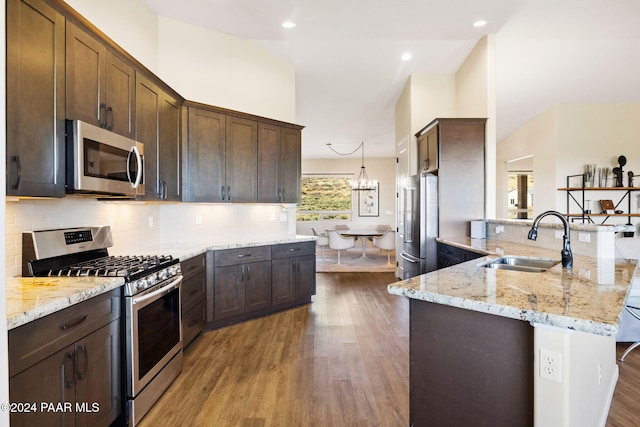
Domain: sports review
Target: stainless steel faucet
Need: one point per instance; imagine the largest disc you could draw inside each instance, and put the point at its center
(567, 256)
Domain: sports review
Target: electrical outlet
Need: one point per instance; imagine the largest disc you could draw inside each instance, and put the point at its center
(551, 365)
(599, 373)
(198, 220)
(584, 237)
(150, 221)
(499, 229)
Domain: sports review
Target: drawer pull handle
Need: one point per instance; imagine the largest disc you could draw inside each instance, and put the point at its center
(293, 249)
(192, 323)
(244, 255)
(75, 323)
(193, 292)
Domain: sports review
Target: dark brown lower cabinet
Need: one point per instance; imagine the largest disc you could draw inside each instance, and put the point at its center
(242, 288)
(293, 272)
(259, 280)
(469, 368)
(193, 297)
(68, 372)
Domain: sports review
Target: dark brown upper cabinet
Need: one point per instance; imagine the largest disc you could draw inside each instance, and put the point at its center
(100, 84)
(35, 99)
(158, 128)
(221, 153)
(279, 152)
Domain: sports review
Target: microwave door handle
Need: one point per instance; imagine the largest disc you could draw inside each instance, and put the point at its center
(134, 150)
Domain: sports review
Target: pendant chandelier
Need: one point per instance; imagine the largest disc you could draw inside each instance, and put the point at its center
(362, 182)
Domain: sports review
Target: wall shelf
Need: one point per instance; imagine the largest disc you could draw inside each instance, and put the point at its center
(588, 217)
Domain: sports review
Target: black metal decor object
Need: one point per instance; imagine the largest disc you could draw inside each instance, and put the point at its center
(617, 171)
(630, 175)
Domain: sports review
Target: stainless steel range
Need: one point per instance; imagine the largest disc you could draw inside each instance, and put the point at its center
(152, 326)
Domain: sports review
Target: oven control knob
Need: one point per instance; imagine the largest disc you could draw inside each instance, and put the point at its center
(141, 283)
(162, 275)
(152, 280)
(174, 271)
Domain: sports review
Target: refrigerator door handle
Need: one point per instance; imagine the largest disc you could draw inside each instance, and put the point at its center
(410, 258)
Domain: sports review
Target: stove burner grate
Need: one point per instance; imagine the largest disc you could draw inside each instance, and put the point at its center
(112, 266)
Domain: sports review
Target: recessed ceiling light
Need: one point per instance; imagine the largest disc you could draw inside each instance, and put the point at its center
(288, 24)
(480, 23)
(406, 56)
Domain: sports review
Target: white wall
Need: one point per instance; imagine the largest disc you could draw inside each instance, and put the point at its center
(562, 140)
(225, 71)
(131, 24)
(537, 138)
(138, 227)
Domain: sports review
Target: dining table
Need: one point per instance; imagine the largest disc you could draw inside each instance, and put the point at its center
(363, 234)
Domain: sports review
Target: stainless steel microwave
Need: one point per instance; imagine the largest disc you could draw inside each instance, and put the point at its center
(101, 162)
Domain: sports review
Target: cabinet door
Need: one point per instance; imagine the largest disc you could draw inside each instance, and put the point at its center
(148, 99)
(257, 285)
(206, 156)
(241, 160)
(282, 281)
(228, 291)
(305, 276)
(50, 382)
(35, 140)
(169, 148)
(120, 80)
(432, 149)
(290, 165)
(428, 150)
(98, 393)
(86, 59)
(269, 163)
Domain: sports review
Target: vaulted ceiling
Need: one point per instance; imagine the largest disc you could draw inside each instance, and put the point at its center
(349, 74)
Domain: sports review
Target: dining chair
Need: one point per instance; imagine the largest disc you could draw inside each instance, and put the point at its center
(633, 307)
(322, 240)
(339, 243)
(344, 227)
(386, 242)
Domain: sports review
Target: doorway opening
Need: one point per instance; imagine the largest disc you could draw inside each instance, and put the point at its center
(520, 188)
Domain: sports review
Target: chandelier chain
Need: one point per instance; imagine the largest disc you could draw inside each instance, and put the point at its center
(345, 154)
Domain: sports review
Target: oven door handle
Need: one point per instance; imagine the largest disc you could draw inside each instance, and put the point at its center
(163, 290)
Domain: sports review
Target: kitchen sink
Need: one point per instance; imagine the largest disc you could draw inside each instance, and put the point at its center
(520, 263)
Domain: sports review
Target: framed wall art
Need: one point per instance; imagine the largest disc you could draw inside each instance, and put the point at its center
(369, 202)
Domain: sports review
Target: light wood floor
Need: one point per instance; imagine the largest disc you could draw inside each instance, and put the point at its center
(341, 361)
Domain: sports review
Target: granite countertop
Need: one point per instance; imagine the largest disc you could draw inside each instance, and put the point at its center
(587, 298)
(30, 298)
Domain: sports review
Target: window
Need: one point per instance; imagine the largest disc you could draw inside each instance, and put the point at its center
(324, 197)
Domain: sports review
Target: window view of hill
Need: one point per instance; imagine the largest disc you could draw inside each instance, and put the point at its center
(326, 197)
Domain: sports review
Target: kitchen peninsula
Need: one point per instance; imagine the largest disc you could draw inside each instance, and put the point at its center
(510, 348)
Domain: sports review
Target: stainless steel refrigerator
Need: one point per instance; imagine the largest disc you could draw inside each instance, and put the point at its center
(419, 249)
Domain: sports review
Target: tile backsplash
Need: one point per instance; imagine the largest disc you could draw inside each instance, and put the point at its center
(137, 226)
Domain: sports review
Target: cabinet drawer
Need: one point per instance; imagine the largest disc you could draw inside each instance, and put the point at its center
(293, 249)
(193, 290)
(241, 255)
(193, 322)
(36, 340)
(193, 265)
